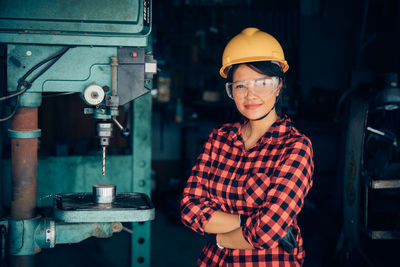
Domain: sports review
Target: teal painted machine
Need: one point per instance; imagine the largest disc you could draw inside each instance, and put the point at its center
(101, 50)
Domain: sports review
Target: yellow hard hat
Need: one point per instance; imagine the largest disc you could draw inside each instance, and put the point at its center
(249, 46)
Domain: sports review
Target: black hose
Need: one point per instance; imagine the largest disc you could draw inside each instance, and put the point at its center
(27, 84)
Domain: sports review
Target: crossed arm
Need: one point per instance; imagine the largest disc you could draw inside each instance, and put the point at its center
(282, 199)
(228, 230)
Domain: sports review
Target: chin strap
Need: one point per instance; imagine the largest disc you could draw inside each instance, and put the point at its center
(265, 114)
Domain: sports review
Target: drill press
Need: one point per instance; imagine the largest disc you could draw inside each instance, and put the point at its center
(88, 49)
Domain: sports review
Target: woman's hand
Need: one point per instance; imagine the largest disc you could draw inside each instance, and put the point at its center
(228, 229)
(233, 240)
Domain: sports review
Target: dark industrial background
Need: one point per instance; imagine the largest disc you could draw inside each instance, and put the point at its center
(335, 49)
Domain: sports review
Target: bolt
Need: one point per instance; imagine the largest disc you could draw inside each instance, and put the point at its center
(142, 183)
(142, 163)
(117, 227)
(94, 95)
(106, 88)
(29, 53)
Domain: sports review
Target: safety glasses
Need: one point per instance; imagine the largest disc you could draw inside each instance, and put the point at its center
(262, 87)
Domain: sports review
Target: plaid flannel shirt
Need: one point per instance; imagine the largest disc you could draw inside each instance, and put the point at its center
(268, 183)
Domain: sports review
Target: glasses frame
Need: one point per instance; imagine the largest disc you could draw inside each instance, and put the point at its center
(229, 92)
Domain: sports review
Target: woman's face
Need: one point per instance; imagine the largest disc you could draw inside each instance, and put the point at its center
(250, 104)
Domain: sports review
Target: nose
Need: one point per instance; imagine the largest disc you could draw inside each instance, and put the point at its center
(249, 92)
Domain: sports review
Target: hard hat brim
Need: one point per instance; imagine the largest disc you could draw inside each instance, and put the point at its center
(225, 69)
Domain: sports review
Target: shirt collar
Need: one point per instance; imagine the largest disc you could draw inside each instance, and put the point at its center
(278, 129)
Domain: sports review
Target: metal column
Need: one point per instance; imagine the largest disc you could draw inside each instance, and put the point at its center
(141, 175)
(24, 172)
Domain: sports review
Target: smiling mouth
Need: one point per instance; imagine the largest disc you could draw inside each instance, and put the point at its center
(252, 106)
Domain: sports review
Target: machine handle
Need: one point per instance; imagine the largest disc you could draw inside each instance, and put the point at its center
(125, 132)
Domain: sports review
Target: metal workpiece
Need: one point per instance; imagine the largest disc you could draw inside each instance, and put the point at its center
(104, 193)
(80, 207)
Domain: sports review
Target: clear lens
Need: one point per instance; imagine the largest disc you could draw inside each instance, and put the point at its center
(228, 88)
(261, 87)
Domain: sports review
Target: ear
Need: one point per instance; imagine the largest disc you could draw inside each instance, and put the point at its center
(279, 87)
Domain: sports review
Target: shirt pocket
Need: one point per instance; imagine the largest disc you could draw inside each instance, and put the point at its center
(255, 188)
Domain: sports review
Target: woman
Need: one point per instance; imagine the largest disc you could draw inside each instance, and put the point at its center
(249, 183)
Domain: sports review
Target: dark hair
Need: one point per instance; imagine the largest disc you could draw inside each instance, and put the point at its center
(265, 68)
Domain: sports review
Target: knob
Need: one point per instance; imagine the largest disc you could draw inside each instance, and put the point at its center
(93, 94)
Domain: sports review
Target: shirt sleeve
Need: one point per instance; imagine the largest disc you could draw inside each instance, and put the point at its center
(284, 198)
(196, 204)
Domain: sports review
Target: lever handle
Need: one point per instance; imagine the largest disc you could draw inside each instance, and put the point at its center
(125, 132)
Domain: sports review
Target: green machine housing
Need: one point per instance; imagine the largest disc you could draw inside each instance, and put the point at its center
(91, 34)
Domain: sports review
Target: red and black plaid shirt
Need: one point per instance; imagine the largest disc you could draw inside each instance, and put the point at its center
(268, 183)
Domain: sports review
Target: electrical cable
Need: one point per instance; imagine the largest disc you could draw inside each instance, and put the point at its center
(15, 94)
(12, 113)
(27, 84)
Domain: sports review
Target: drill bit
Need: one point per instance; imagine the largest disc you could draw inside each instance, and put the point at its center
(104, 160)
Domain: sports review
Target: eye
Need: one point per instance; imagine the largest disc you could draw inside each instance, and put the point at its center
(262, 82)
(238, 86)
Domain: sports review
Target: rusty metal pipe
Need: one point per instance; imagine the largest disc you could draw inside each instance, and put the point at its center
(24, 173)
(24, 165)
